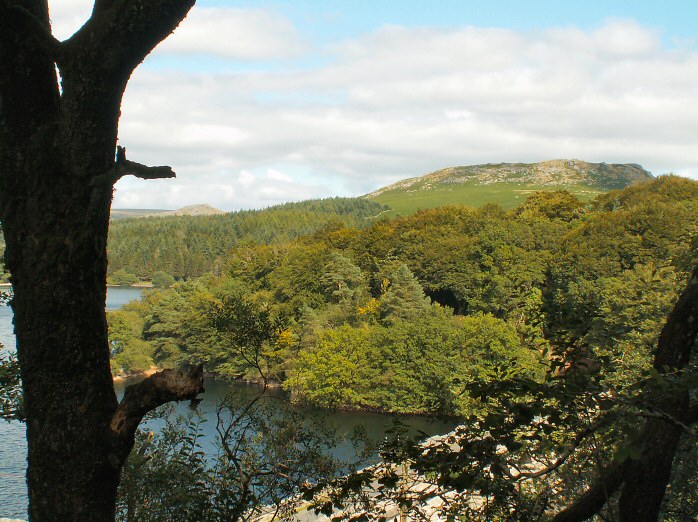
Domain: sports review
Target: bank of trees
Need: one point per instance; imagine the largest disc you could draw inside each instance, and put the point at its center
(537, 327)
(553, 280)
(544, 329)
(187, 247)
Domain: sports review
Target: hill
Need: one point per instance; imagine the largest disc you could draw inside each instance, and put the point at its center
(191, 210)
(127, 213)
(506, 183)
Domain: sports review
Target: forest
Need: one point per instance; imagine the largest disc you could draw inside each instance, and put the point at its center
(402, 314)
(186, 247)
(536, 326)
(560, 335)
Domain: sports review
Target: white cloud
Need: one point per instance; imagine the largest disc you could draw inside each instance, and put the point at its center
(246, 34)
(244, 189)
(67, 16)
(401, 102)
(243, 34)
(246, 179)
(277, 175)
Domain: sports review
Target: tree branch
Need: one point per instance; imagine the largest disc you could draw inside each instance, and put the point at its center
(692, 415)
(589, 503)
(29, 95)
(158, 389)
(121, 33)
(684, 425)
(589, 430)
(102, 5)
(38, 30)
(647, 476)
(642, 495)
(125, 167)
(679, 333)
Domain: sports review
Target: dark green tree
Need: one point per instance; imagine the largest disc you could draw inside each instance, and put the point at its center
(122, 278)
(342, 278)
(162, 279)
(404, 297)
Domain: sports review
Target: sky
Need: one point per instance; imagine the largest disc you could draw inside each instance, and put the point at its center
(255, 103)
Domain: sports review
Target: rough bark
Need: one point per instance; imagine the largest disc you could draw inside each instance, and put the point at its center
(145, 396)
(591, 502)
(643, 481)
(57, 170)
(647, 477)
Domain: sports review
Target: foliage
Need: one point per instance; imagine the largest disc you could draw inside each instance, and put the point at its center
(10, 382)
(408, 366)
(164, 477)
(122, 278)
(191, 246)
(342, 317)
(10, 388)
(536, 326)
(162, 279)
(403, 296)
(557, 204)
(267, 454)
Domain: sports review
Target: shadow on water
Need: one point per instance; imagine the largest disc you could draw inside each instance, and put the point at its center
(343, 423)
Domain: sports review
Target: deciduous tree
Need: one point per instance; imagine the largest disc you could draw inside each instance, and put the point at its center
(58, 165)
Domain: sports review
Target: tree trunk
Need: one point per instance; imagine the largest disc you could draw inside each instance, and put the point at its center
(58, 272)
(57, 171)
(648, 476)
(644, 480)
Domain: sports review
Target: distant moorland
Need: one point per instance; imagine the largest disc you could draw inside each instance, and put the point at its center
(507, 184)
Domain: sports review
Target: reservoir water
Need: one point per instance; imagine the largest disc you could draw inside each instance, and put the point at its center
(13, 444)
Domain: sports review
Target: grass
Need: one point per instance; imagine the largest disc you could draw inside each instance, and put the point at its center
(424, 195)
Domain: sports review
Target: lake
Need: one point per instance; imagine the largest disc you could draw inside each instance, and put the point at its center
(13, 445)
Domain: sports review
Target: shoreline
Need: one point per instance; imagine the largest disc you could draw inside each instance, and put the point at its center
(145, 284)
(278, 385)
(121, 377)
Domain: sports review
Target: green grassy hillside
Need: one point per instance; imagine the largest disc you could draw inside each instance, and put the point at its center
(507, 184)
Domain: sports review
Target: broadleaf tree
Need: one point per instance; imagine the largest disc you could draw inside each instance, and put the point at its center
(58, 165)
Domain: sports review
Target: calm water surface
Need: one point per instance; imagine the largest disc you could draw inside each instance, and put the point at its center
(13, 444)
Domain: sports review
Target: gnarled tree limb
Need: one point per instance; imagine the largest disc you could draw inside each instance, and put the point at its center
(125, 167)
(121, 33)
(102, 5)
(692, 415)
(646, 478)
(36, 29)
(158, 389)
(591, 502)
(103, 53)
